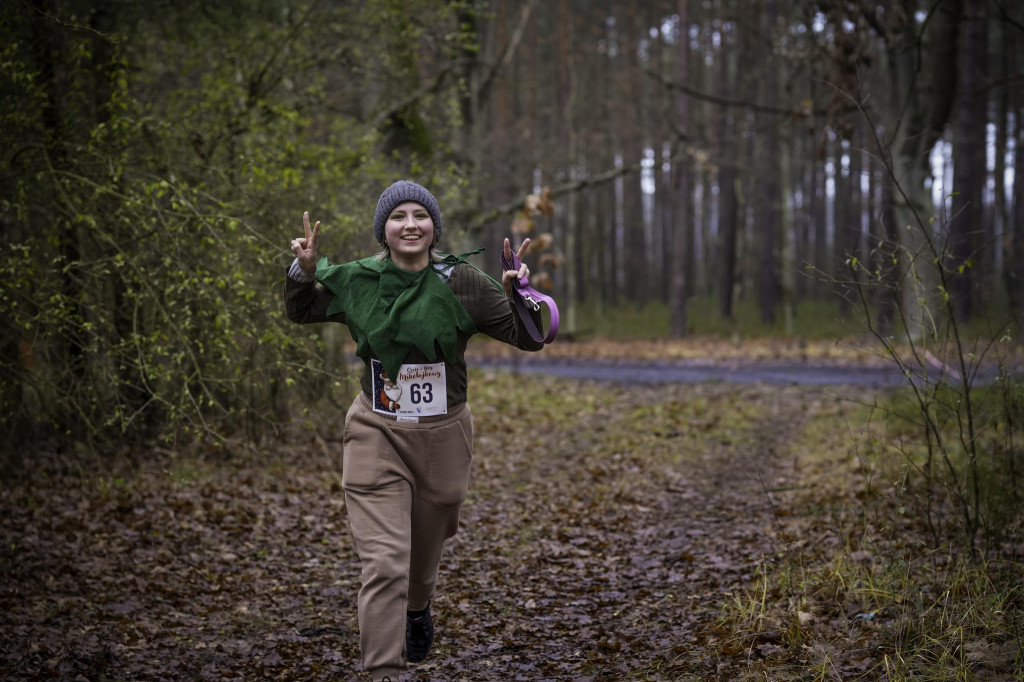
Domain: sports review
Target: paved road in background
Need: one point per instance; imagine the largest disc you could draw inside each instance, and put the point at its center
(785, 374)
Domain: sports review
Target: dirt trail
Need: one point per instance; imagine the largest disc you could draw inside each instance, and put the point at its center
(603, 533)
(624, 565)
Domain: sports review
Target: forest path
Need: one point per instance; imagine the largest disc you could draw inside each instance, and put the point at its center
(606, 530)
(604, 546)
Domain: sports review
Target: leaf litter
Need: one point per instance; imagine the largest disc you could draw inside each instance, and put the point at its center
(609, 532)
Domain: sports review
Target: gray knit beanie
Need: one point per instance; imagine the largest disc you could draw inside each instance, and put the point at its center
(402, 191)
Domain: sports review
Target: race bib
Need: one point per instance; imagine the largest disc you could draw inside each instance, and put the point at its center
(417, 391)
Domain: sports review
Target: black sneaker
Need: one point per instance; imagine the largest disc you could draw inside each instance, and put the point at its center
(419, 634)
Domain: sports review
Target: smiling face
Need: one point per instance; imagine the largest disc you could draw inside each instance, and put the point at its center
(409, 233)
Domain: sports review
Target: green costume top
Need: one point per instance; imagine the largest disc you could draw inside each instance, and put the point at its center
(389, 311)
(410, 317)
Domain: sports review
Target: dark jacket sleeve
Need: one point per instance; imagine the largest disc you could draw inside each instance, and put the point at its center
(492, 312)
(307, 302)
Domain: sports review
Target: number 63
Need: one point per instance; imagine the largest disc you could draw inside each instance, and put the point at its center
(421, 393)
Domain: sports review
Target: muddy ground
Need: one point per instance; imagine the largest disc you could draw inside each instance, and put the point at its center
(608, 529)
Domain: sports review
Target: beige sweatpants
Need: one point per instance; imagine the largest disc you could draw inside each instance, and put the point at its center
(404, 485)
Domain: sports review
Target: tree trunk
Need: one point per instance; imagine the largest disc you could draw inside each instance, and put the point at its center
(1001, 221)
(572, 228)
(1018, 221)
(918, 119)
(666, 223)
(1015, 218)
(771, 192)
(857, 192)
(682, 239)
(887, 234)
(819, 217)
(845, 236)
(633, 143)
(788, 246)
(727, 199)
(967, 231)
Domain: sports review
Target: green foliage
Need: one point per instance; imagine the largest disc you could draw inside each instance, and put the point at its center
(953, 486)
(155, 169)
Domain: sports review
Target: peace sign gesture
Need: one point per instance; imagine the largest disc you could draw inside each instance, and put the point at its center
(508, 277)
(305, 248)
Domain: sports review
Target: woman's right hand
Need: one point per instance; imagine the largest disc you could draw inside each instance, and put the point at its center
(305, 248)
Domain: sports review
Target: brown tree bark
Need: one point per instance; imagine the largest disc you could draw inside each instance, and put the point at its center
(633, 143)
(967, 228)
(918, 105)
(887, 298)
(572, 230)
(660, 248)
(771, 191)
(728, 208)
(1000, 220)
(1018, 222)
(683, 237)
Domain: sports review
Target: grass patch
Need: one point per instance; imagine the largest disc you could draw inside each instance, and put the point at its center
(812, 319)
(886, 588)
(874, 614)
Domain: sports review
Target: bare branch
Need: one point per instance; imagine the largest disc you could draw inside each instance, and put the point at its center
(1005, 16)
(735, 103)
(432, 86)
(65, 24)
(476, 221)
(510, 49)
(995, 84)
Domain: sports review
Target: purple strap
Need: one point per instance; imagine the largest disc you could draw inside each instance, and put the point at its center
(527, 299)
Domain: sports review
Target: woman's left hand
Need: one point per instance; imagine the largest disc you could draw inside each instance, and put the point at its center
(509, 277)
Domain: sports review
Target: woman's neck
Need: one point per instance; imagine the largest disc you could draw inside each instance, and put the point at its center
(410, 263)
